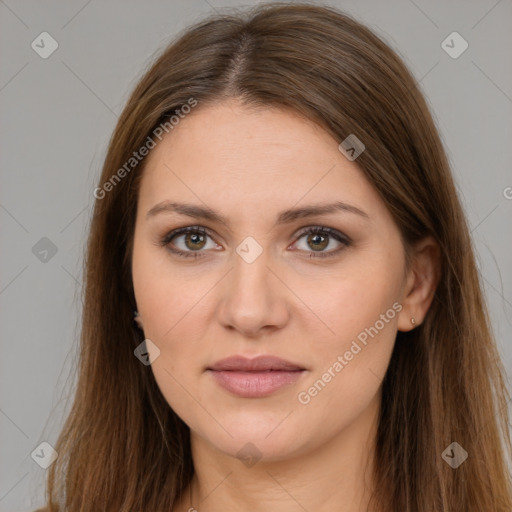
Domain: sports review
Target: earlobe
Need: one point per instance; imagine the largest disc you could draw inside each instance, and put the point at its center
(421, 285)
(137, 319)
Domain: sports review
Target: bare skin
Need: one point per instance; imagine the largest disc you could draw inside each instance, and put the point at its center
(314, 449)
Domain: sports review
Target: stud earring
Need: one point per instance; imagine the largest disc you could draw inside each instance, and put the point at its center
(413, 321)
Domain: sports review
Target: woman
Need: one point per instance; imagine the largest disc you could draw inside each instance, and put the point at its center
(282, 308)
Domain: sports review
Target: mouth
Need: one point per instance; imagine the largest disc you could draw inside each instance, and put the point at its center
(255, 378)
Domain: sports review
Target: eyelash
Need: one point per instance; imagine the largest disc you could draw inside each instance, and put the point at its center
(322, 230)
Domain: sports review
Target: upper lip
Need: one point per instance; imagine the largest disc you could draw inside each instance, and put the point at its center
(260, 363)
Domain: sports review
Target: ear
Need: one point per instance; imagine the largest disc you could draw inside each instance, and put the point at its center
(421, 283)
(138, 320)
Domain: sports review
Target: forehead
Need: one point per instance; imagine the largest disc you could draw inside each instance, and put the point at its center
(245, 158)
(231, 132)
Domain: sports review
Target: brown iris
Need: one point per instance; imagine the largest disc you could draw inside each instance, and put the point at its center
(314, 237)
(196, 240)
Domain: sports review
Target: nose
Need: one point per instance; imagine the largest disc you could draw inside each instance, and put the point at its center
(253, 298)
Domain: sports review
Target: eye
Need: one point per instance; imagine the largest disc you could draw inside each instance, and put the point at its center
(193, 240)
(190, 241)
(319, 238)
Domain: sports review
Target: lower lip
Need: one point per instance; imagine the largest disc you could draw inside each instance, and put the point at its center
(255, 384)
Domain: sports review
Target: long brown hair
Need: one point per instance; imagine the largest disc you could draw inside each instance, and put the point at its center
(122, 447)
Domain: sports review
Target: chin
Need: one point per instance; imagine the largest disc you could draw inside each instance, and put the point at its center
(254, 437)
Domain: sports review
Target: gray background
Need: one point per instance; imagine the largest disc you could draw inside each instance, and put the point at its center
(57, 115)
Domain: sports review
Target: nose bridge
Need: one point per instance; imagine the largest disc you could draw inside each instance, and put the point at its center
(251, 267)
(250, 279)
(253, 297)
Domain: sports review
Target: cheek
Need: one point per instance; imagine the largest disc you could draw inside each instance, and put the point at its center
(170, 305)
(166, 297)
(352, 356)
(181, 389)
(358, 303)
(349, 371)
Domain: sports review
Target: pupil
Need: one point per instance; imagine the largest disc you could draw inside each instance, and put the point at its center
(315, 238)
(195, 238)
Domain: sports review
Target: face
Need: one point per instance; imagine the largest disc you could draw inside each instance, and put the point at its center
(320, 290)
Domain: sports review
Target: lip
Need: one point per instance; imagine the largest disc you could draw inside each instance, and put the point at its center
(255, 364)
(257, 377)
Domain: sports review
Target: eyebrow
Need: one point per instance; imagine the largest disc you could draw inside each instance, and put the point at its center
(284, 217)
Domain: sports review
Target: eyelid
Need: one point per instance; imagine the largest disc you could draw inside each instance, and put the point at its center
(339, 236)
(166, 239)
(315, 228)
